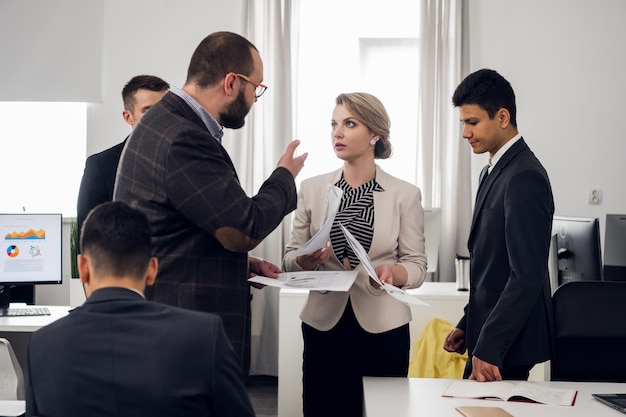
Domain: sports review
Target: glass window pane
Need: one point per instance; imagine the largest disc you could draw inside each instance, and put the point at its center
(364, 46)
(43, 156)
(389, 71)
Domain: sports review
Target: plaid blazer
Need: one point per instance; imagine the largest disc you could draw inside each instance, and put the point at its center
(203, 223)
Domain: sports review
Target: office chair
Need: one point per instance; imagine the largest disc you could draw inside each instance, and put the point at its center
(590, 332)
(11, 375)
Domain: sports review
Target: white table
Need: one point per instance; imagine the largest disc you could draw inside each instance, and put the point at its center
(12, 408)
(17, 330)
(404, 397)
(28, 324)
(445, 302)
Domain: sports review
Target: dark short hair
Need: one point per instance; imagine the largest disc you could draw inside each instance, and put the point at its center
(116, 237)
(489, 90)
(217, 55)
(145, 82)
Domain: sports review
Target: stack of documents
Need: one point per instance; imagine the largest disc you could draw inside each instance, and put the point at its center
(311, 280)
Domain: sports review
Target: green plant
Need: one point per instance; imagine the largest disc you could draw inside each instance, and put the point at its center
(74, 248)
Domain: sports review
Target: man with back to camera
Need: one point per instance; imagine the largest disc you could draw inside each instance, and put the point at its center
(507, 325)
(120, 355)
(176, 170)
(139, 95)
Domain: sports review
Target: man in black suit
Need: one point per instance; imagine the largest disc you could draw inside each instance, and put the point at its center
(120, 355)
(139, 95)
(507, 325)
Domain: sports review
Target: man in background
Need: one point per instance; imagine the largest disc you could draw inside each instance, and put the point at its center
(139, 95)
(176, 170)
(507, 325)
(120, 355)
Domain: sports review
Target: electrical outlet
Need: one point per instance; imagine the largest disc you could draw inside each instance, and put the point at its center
(595, 196)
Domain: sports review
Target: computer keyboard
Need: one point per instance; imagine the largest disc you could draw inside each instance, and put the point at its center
(25, 311)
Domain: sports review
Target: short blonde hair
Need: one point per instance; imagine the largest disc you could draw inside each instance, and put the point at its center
(370, 111)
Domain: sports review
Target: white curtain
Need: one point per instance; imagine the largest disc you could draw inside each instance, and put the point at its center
(271, 25)
(443, 163)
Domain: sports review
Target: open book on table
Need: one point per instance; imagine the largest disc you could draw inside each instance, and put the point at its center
(511, 391)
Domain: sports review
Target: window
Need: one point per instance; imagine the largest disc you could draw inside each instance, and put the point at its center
(43, 156)
(349, 46)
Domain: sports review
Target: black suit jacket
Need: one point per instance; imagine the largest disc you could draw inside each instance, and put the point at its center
(508, 319)
(182, 178)
(96, 186)
(120, 355)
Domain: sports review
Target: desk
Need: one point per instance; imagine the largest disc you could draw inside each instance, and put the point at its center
(445, 302)
(17, 330)
(404, 397)
(29, 324)
(12, 408)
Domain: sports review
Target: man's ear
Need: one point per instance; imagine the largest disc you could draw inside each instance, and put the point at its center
(151, 272)
(128, 117)
(83, 268)
(504, 117)
(229, 84)
(84, 272)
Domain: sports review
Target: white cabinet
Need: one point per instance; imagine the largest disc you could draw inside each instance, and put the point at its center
(445, 302)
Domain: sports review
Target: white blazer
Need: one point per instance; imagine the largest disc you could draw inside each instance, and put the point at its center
(398, 239)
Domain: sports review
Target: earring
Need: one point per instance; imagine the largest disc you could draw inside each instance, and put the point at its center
(373, 142)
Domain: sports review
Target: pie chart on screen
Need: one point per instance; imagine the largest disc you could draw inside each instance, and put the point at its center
(13, 251)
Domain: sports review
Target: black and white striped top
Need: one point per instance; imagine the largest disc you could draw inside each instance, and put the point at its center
(356, 213)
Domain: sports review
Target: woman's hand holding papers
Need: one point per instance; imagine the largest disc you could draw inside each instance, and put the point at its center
(312, 261)
(395, 275)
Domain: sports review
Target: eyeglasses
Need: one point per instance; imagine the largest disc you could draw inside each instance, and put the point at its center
(260, 88)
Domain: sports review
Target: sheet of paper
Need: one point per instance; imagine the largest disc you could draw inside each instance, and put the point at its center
(545, 395)
(322, 237)
(403, 296)
(310, 280)
(360, 253)
(331, 204)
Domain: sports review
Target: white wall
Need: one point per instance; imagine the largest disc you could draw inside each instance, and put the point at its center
(140, 37)
(565, 60)
(154, 37)
(70, 292)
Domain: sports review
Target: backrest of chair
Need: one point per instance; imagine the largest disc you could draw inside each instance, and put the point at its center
(11, 375)
(590, 332)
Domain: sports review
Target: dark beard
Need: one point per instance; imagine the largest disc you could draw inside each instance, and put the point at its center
(233, 117)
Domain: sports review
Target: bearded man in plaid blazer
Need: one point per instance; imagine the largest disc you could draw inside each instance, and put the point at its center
(175, 169)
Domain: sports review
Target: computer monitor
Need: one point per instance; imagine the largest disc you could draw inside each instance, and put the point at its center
(32, 251)
(578, 248)
(615, 247)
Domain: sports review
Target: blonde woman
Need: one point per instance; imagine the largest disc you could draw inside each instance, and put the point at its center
(362, 332)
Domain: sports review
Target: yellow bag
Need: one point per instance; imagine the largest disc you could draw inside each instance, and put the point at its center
(430, 360)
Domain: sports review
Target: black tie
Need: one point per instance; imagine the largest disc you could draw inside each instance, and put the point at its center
(482, 178)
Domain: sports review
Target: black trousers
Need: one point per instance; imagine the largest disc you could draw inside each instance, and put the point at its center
(335, 361)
